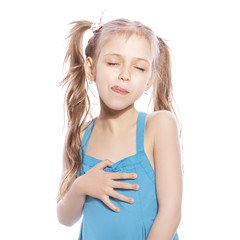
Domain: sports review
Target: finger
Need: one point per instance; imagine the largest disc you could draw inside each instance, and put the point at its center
(121, 175)
(121, 197)
(117, 184)
(108, 203)
(103, 164)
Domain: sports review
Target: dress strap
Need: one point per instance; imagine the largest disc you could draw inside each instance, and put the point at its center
(140, 131)
(87, 134)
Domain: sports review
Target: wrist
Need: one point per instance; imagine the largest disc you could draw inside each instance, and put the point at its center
(78, 186)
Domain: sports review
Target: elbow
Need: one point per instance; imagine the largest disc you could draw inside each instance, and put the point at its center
(64, 222)
(62, 219)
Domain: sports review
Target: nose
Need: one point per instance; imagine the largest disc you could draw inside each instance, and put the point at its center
(124, 75)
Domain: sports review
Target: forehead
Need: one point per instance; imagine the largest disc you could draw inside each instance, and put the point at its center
(134, 46)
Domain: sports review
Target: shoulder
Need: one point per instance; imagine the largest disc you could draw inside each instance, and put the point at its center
(82, 131)
(83, 128)
(161, 115)
(162, 121)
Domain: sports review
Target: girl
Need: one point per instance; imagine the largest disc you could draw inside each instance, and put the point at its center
(122, 169)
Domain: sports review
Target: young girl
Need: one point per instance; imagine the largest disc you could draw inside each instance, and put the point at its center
(122, 169)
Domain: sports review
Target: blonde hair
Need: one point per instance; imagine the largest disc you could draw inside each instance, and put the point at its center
(76, 97)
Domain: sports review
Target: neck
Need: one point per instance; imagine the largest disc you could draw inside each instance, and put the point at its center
(115, 122)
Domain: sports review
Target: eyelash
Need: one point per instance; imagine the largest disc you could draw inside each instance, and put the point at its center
(114, 64)
(141, 69)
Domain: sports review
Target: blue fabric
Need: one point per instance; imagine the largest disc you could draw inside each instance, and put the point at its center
(134, 221)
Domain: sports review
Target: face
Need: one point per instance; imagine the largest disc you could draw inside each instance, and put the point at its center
(123, 71)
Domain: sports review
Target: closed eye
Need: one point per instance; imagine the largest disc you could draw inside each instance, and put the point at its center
(141, 69)
(112, 64)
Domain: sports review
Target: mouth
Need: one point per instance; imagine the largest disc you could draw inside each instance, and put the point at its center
(119, 90)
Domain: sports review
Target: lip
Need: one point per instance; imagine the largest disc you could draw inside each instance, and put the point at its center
(118, 89)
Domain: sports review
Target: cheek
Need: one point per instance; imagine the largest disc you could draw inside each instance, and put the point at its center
(104, 73)
(103, 78)
(138, 85)
(140, 79)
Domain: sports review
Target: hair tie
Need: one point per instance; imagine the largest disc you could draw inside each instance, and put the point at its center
(96, 26)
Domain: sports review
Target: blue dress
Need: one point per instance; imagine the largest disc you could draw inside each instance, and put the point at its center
(134, 220)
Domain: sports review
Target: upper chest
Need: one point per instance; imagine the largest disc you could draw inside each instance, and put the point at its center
(102, 147)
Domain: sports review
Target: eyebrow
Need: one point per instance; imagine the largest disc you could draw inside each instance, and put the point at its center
(119, 55)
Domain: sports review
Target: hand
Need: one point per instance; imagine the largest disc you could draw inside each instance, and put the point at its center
(100, 184)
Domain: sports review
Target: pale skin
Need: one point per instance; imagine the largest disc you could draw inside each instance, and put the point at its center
(128, 64)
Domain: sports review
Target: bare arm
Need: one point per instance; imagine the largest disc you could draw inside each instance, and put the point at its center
(168, 171)
(69, 208)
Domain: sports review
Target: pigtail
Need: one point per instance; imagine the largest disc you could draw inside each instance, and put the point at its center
(77, 103)
(162, 95)
(163, 89)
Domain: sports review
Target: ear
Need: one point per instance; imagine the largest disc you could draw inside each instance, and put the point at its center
(88, 67)
(151, 80)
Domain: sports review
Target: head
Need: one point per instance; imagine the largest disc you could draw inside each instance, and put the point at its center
(122, 28)
(124, 53)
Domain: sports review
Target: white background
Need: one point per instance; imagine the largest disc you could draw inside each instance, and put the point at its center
(204, 40)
